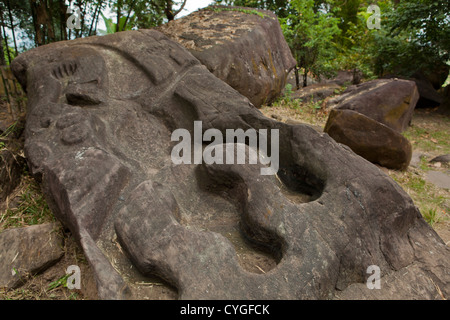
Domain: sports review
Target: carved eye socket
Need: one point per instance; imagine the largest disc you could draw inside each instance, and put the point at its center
(84, 94)
(64, 70)
(82, 99)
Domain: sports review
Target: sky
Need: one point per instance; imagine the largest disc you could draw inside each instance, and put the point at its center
(193, 5)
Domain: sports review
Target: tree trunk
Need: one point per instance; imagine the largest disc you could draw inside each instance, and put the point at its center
(79, 32)
(41, 22)
(2, 51)
(63, 19)
(94, 17)
(12, 27)
(6, 39)
(128, 15)
(305, 78)
(168, 10)
(297, 78)
(49, 21)
(179, 10)
(119, 14)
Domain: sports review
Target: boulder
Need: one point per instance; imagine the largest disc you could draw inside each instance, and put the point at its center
(429, 97)
(99, 132)
(370, 139)
(244, 47)
(345, 77)
(315, 92)
(390, 102)
(27, 251)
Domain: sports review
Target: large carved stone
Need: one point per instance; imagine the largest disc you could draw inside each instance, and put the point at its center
(100, 117)
(244, 47)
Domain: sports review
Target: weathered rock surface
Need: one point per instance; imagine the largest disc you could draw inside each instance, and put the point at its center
(390, 102)
(244, 47)
(429, 97)
(370, 139)
(28, 251)
(442, 158)
(101, 114)
(315, 92)
(345, 77)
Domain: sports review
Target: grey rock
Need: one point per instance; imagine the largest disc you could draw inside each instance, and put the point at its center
(438, 178)
(315, 92)
(244, 47)
(390, 102)
(313, 229)
(27, 251)
(370, 139)
(415, 159)
(441, 158)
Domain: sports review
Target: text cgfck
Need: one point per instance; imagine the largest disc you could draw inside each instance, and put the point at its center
(214, 152)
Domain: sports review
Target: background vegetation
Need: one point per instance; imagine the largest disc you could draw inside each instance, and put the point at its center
(324, 35)
(330, 35)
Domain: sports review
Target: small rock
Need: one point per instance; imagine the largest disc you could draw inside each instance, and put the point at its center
(415, 159)
(28, 250)
(440, 179)
(441, 158)
(277, 117)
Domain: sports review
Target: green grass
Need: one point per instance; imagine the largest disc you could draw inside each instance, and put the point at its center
(27, 206)
(429, 138)
(431, 216)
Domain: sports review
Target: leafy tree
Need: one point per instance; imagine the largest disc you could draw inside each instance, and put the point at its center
(280, 7)
(416, 37)
(309, 33)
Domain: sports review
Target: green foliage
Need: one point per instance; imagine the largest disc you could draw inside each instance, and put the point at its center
(31, 207)
(309, 33)
(111, 27)
(61, 282)
(415, 36)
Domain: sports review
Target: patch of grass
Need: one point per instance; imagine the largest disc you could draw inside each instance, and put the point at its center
(26, 206)
(311, 112)
(429, 138)
(430, 199)
(431, 216)
(61, 282)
